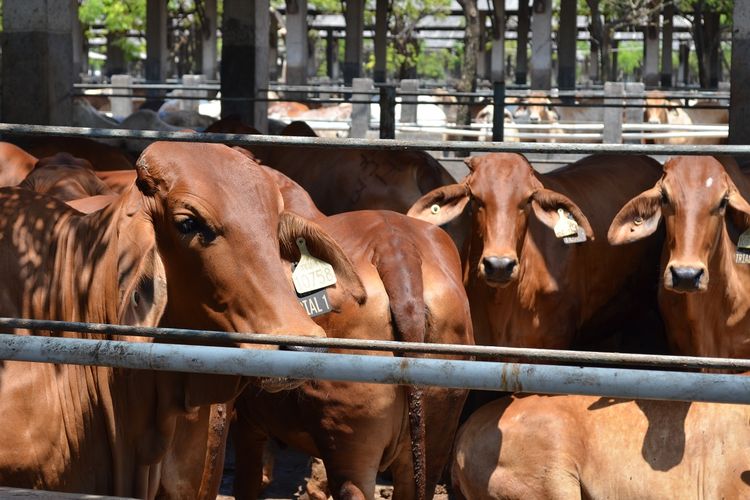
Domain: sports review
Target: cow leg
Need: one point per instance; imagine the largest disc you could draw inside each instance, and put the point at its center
(249, 446)
(317, 487)
(351, 473)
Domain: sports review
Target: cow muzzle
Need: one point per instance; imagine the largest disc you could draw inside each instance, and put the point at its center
(499, 271)
(686, 279)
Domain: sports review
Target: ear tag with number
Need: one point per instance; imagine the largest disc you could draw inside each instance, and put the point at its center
(580, 237)
(742, 255)
(565, 225)
(311, 273)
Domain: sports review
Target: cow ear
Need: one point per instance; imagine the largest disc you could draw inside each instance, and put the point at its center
(441, 205)
(738, 210)
(637, 219)
(546, 203)
(143, 287)
(322, 246)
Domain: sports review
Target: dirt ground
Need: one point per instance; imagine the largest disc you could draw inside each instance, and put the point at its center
(290, 475)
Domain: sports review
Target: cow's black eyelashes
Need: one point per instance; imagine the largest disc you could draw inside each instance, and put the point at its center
(664, 197)
(192, 225)
(723, 203)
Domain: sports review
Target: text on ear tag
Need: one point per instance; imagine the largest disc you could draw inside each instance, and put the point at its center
(744, 240)
(742, 256)
(580, 237)
(315, 303)
(311, 273)
(565, 225)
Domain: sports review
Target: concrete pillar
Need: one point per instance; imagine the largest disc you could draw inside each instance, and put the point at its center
(332, 56)
(360, 108)
(156, 40)
(37, 69)
(684, 71)
(483, 69)
(497, 59)
(541, 45)
(381, 40)
(79, 56)
(115, 64)
(566, 46)
(522, 57)
(666, 45)
(121, 106)
(651, 52)
(634, 114)
(208, 62)
(739, 100)
(355, 25)
(613, 116)
(296, 42)
(409, 102)
(244, 60)
(192, 81)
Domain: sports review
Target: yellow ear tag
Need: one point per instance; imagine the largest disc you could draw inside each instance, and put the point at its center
(742, 255)
(435, 209)
(565, 225)
(311, 273)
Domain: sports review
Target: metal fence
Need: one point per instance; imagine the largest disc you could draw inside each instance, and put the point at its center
(487, 375)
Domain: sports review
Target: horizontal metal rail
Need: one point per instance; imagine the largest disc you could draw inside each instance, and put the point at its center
(11, 129)
(534, 355)
(479, 375)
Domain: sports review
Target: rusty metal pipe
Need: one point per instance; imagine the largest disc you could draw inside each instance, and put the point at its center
(10, 129)
(481, 375)
(487, 352)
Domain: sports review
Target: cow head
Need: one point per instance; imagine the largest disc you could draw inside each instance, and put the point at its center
(698, 200)
(536, 110)
(220, 228)
(505, 193)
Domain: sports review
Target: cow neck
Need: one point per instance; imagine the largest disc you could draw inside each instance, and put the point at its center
(717, 316)
(86, 262)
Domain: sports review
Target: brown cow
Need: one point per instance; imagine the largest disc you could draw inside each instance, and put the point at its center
(573, 447)
(344, 179)
(705, 295)
(412, 275)
(527, 288)
(102, 156)
(191, 246)
(66, 178)
(117, 180)
(15, 164)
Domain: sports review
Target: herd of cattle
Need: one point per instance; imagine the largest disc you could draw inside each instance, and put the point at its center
(611, 252)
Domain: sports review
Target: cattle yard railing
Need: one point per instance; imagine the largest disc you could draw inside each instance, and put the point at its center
(9, 129)
(623, 383)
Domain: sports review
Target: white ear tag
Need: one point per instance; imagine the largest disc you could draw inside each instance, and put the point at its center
(435, 209)
(580, 237)
(742, 255)
(565, 225)
(311, 273)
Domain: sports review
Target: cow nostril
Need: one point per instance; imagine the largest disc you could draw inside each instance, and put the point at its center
(686, 277)
(301, 348)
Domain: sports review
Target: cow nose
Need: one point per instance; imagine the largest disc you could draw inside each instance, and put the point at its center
(686, 277)
(499, 268)
(533, 118)
(654, 121)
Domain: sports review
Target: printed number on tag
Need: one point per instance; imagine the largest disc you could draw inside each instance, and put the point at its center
(310, 272)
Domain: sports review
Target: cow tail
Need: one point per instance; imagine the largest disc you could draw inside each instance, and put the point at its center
(400, 269)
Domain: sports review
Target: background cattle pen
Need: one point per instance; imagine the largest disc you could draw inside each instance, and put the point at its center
(564, 372)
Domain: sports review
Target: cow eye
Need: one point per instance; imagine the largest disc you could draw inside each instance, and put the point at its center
(192, 225)
(664, 198)
(723, 203)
